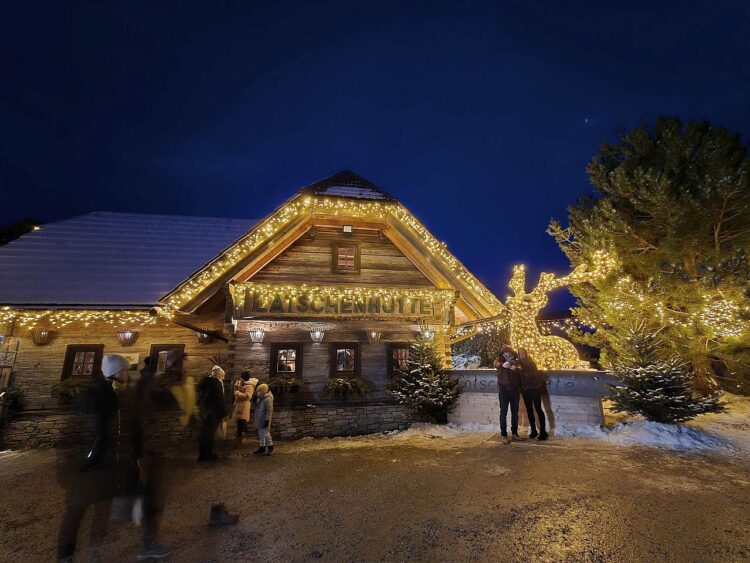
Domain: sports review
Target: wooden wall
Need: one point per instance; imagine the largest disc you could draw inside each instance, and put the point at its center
(38, 368)
(309, 260)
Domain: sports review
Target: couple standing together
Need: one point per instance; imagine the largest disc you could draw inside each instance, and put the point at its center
(516, 376)
(248, 395)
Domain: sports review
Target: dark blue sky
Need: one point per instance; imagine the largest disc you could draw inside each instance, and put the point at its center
(479, 116)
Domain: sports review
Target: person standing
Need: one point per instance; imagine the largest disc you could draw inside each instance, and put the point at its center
(244, 389)
(262, 419)
(533, 384)
(213, 410)
(509, 391)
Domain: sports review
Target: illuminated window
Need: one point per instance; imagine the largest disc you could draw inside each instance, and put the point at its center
(82, 360)
(398, 358)
(167, 358)
(286, 359)
(344, 359)
(346, 257)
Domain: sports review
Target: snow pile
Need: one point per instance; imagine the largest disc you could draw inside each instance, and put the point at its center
(425, 430)
(733, 424)
(466, 361)
(648, 433)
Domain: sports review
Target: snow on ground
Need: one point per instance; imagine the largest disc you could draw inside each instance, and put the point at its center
(466, 361)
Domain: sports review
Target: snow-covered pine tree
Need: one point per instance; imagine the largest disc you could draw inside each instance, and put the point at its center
(425, 387)
(660, 388)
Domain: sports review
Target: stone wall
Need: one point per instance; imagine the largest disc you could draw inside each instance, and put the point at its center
(65, 427)
(573, 399)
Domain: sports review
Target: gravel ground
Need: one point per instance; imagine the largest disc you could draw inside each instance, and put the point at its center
(399, 497)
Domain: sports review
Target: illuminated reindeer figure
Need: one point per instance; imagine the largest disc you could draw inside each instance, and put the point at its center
(549, 352)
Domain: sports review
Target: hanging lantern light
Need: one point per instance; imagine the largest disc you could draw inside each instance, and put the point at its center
(41, 336)
(257, 335)
(317, 335)
(127, 337)
(426, 332)
(373, 336)
(204, 337)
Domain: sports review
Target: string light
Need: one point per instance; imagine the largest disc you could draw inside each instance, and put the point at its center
(58, 318)
(549, 352)
(302, 208)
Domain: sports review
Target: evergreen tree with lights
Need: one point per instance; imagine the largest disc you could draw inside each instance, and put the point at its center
(672, 204)
(425, 387)
(659, 388)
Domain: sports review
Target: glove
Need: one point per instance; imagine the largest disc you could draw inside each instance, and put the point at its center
(265, 424)
(506, 365)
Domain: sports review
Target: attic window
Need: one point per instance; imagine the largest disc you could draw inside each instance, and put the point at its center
(346, 257)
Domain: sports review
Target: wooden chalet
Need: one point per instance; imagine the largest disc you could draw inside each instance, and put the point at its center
(335, 283)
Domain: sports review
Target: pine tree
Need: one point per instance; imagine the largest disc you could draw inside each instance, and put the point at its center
(672, 204)
(425, 387)
(661, 389)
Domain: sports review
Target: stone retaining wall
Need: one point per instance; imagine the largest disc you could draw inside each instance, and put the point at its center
(61, 427)
(573, 399)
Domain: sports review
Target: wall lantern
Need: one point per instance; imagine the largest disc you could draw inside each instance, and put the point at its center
(41, 336)
(204, 337)
(426, 332)
(317, 335)
(257, 335)
(127, 337)
(373, 336)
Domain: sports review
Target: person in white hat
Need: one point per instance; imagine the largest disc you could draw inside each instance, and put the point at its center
(213, 409)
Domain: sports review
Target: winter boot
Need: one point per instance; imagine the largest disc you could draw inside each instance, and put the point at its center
(533, 434)
(269, 450)
(517, 438)
(220, 517)
(505, 440)
(260, 450)
(543, 435)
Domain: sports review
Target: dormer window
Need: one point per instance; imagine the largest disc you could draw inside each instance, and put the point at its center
(346, 257)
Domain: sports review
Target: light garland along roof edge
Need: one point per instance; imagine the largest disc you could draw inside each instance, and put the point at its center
(329, 197)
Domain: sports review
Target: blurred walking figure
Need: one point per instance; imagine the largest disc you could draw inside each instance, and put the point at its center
(213, 411)
(509, 391)
(244, 389)
(262, 419)
(534, 384)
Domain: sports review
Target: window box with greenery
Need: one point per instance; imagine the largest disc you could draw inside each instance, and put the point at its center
(283, 385)
(344, 388)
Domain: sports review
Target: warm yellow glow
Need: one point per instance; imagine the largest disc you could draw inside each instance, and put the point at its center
(303, 207)
(58, 318)
(549, 352)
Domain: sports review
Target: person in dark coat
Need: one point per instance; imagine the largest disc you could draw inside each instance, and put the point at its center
(509, 391)
(213, 409)
(533, 384)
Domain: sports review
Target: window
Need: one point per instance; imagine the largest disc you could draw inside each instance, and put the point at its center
(344, 359)
(398, 358)
(82, 360)
(167, 358)
(346, 257)
(286, 359)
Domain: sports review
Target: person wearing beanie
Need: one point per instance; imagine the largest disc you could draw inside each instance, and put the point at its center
(262, 418)
(244, 389)
(213, 410)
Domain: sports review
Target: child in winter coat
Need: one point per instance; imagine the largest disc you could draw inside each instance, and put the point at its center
(262, 418)
(244, 389)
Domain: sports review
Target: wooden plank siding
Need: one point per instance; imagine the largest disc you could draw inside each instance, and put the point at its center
(309, 260)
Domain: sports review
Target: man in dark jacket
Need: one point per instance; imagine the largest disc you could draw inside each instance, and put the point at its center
(509, 391)
(213, 409)
(533, 384)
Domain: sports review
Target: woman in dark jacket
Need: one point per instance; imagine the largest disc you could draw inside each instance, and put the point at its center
(509, 391)
(533, 384)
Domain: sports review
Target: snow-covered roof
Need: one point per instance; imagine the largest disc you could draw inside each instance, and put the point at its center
(348, 184)
(107, 258)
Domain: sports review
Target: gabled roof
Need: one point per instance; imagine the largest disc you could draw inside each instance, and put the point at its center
(348, 184)
(107, 258)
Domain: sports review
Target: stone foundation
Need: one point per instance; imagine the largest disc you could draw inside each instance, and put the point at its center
(60, 428)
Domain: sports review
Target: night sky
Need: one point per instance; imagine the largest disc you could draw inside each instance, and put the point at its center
(479, 116)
